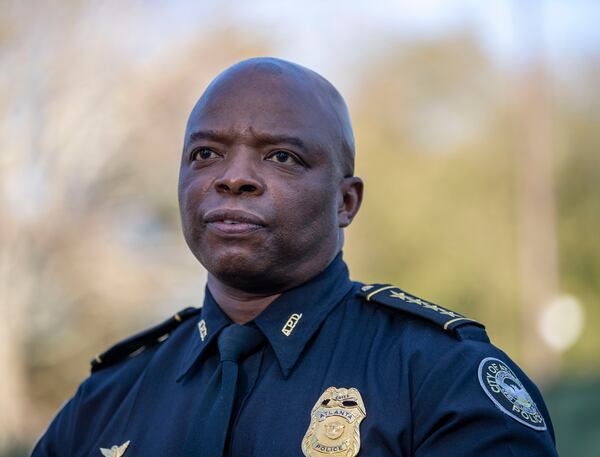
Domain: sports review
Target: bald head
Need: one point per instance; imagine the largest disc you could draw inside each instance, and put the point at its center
(297, 88)
(266, 184)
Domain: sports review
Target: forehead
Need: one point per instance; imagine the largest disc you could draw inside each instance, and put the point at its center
(267, 103)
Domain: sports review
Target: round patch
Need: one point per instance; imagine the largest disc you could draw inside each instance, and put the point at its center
(508, 394)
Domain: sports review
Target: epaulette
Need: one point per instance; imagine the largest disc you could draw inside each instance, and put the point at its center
(140, 341)
(452, 322)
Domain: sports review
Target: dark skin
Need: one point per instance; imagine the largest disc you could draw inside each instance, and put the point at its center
(266, 183)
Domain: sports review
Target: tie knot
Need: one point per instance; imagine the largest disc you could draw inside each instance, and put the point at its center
(237, 341)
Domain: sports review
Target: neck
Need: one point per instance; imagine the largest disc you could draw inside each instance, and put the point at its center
(240, 306)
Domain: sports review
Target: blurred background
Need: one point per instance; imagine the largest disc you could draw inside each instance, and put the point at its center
(478, 135)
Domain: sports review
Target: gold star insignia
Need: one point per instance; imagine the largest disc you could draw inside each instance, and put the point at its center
(400, 295)
(423, 303)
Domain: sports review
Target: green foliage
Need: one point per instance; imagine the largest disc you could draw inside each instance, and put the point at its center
(578, 206)
(574, 405)
(440, 214)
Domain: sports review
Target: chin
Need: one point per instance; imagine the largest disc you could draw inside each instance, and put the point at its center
(240, 269)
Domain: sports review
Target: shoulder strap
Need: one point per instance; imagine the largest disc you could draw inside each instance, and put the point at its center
(452, 322)
(140, 341)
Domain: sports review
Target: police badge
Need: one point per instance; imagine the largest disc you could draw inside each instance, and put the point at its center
(334, 424)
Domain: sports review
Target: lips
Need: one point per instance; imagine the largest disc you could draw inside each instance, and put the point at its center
(232, 222)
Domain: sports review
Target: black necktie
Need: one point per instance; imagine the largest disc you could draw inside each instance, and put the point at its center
(208, 431)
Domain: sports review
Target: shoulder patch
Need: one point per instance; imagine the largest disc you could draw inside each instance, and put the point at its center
(507, 392)
(451, 321)
(140, 341)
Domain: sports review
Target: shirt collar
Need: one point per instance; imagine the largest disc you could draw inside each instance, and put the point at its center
(288, 323)
(291, 320)
(211, 322)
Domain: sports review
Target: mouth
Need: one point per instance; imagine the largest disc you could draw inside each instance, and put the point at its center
(232, 221)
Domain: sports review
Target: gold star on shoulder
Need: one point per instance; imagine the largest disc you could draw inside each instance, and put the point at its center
(115, 451)
(400, 295)
(423, 303)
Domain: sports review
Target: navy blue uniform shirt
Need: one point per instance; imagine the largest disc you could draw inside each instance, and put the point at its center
(423, 390)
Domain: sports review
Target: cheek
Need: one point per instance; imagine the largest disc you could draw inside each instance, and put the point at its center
(192, 228)
(192, 190)
(309, 208)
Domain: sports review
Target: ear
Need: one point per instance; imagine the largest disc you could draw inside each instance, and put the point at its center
(351, 193)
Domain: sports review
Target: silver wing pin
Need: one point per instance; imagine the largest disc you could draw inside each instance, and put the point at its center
(115, 451)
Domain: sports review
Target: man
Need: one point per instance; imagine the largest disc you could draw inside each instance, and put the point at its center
(288, 356)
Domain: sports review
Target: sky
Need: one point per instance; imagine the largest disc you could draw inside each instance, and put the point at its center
(567, 26)
(303, 27)
(333, 37)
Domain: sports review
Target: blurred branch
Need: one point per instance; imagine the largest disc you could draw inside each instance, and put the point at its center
(538, 254)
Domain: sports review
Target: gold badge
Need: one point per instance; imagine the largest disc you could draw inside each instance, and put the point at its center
(115, 451)
(334, 424)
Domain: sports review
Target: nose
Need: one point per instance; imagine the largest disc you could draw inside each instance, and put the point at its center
(239, 176)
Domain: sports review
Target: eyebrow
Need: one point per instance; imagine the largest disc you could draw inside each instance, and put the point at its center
(211, 135)
(269, 138)
(259, 138)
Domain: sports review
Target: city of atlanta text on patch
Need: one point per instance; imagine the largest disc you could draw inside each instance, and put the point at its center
(503, 387)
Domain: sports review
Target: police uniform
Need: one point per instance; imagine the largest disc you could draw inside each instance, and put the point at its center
(346, 369)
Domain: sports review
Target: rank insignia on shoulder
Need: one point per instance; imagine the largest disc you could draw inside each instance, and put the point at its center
(115, 451)
(138, 343)
(396, 298)
(334, 424)
(507, 392)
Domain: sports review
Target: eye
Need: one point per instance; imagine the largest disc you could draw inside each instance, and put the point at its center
(349, 403)
(283, 157)
(203, 154)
